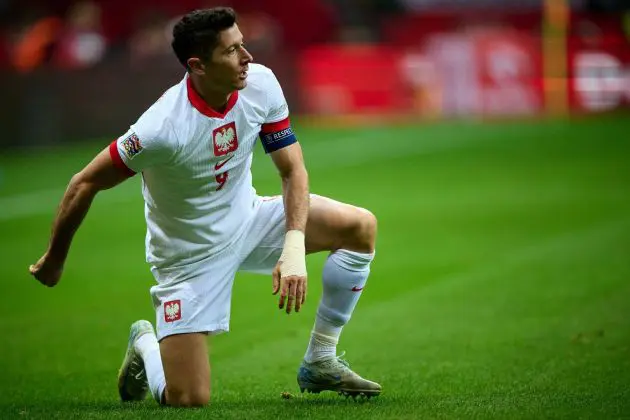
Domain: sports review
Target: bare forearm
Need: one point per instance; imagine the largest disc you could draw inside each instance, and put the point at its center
(296, 199)
(74, 206)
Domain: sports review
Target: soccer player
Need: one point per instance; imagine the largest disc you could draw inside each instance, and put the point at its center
(205, 221)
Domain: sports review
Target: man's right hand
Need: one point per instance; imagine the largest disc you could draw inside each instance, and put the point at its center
(47, 270)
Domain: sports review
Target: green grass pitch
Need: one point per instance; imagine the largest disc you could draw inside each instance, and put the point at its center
(501, 286)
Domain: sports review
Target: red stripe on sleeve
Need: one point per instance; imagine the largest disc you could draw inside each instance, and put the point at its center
(118, 162)
(276, 126)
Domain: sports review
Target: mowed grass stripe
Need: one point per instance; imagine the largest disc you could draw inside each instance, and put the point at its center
(331, 154)
(324, 149)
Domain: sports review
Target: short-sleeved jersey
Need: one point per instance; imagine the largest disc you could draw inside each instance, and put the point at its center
(196, 165)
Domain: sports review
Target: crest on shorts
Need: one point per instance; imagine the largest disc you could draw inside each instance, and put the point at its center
(131, 145)
(224, 139)
(172, 310)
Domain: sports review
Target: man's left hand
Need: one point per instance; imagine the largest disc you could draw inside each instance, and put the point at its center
(292, 289)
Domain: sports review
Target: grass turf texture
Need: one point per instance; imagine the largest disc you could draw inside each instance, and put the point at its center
(500, 287)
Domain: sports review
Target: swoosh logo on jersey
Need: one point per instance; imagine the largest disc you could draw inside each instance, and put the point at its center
(357, 289)
(220, 164)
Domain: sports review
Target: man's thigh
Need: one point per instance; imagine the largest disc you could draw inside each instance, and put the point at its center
(265, 238)
(330, 224)
(328, 221)
(186, 369)
(198, 302)
(334, 225)
(192, 303)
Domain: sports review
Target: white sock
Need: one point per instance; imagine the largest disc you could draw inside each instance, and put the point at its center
(149, 348)
(344, 277)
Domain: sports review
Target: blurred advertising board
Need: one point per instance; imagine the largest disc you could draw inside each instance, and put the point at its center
(486, 72)
(477, 69)
(599, 64)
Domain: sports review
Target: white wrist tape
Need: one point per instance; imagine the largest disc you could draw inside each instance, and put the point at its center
(293, 256)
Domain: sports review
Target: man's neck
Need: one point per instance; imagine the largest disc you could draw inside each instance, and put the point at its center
(216, 100)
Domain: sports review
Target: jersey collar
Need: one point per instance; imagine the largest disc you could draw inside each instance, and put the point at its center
(201, 105)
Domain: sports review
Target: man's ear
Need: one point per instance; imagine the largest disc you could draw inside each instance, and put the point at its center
(196, 66)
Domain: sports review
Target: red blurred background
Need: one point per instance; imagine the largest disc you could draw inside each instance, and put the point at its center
(78, 69)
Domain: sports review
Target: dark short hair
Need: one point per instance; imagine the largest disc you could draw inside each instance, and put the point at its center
(196, 34)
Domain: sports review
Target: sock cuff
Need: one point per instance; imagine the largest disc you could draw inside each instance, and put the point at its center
(332, 317)
(324, 339)
(352, 260)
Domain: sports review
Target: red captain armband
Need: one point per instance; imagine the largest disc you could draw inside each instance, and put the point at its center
(275, 136)
(118, 162)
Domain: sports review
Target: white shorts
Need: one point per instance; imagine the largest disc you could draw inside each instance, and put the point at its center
(200, 301)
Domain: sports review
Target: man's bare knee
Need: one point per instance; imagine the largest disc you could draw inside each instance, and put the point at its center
(363, 232)
(187, 398)
(369, 225)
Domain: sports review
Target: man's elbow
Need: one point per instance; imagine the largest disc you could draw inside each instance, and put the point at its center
(83, 185)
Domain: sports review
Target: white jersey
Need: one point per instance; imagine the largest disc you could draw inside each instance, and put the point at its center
(196, 165)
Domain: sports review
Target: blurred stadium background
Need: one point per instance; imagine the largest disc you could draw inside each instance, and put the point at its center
(490, 137)
(82, 69)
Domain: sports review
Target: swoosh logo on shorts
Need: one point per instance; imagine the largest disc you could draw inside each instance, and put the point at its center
(220, 164)
(357, 289)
